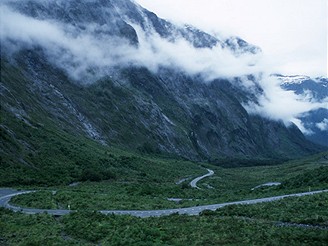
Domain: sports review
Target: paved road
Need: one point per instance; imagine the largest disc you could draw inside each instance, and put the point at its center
(7, 194)
(193, 182)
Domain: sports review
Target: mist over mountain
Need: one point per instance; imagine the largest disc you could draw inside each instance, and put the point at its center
(98, 35)
(314, 124)
(115, 72)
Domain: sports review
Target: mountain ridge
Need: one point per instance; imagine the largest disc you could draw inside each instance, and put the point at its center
(166, 110)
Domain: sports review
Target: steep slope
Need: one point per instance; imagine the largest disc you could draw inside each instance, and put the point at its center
(168, 112)
(56, 96)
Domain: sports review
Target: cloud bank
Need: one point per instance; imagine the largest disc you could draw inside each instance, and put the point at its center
(279, 104)
(323, 125)
(78, 51)
(292, 34)
(87, 57)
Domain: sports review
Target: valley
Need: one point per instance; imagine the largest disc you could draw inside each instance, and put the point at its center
(277, 218)
(118, 127)
(151, 191)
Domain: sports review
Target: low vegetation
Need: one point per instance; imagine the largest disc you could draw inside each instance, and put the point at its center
(110, 178)
(258, 224)
(153, 181)
(307, 210)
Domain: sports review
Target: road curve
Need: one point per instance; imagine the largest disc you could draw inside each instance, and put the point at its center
(4, 202)
(193, 182)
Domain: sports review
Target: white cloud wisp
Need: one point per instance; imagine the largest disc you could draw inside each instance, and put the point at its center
(80, 52)
(323, 125)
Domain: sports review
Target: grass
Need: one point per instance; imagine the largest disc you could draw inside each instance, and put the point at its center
(46, 153)
(51, 156)
(154, 181)
(43, 147)
(233, 225)
(310, 210)
(145, 182)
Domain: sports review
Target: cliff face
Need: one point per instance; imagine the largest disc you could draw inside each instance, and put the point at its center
(131, 104)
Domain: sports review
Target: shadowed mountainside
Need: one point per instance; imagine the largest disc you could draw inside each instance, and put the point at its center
(48, 116)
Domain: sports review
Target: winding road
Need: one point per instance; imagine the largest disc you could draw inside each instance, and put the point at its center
(7, 194)
(193, 182)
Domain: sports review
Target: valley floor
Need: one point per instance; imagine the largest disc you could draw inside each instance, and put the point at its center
(293, 220)
(9, 193)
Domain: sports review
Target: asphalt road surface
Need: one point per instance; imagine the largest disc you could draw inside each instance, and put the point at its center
(193, 182)
(7, 194)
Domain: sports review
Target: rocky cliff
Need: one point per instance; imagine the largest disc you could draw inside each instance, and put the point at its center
(99, 70)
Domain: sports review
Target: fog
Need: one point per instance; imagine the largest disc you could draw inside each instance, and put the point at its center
(278, 104)
(323, 125)
(81, 52)
(77, 53)
(291, 33)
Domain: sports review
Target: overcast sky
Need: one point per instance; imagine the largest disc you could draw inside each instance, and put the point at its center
(291, 33)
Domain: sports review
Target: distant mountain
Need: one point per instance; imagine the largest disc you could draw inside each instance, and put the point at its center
(76, 81)
(316, 121)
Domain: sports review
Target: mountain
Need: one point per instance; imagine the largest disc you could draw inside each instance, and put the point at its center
(316, 121)
(113, 72)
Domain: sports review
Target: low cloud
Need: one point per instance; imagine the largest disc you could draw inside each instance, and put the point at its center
(323, 125)
(77, 51)
(303, 129)
(73, 51)
(81, 52)
(278, 104)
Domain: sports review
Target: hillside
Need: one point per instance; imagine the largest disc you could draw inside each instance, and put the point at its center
(70, 94)
(107, 107)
